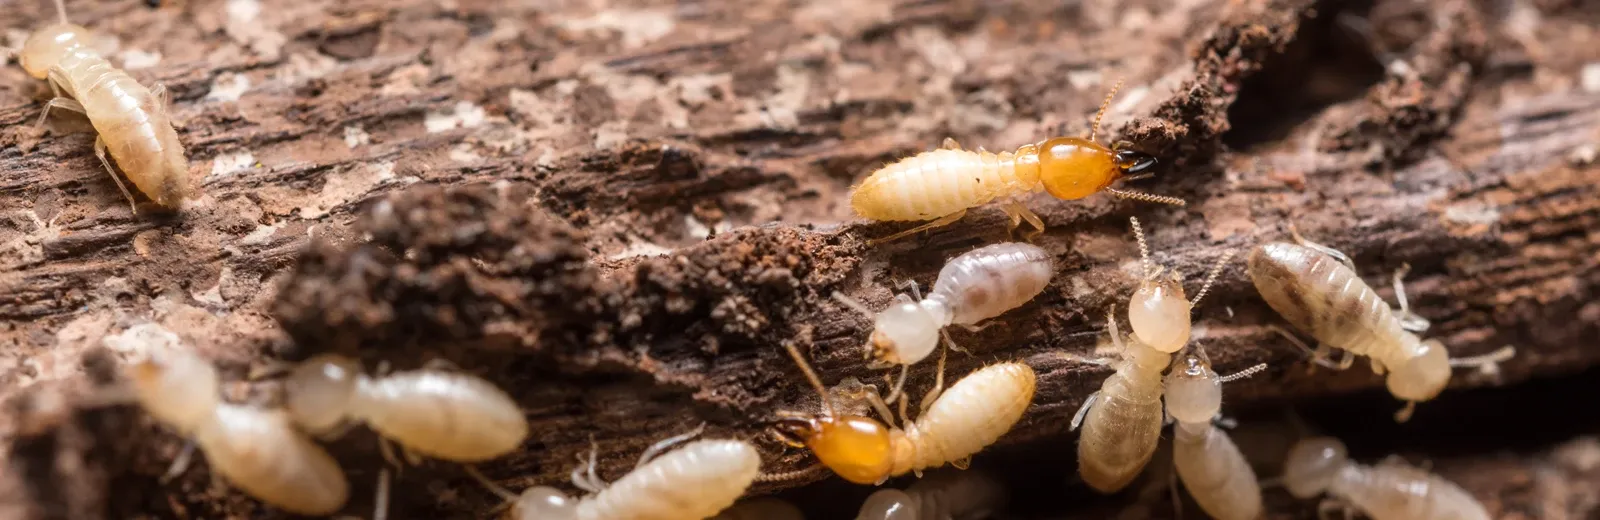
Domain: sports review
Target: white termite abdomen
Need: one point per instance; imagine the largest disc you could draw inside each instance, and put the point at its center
(260, 452)
(969, 416)
(1215, 472)
(445, 415)
(940, 182)
(944, 495)
(696, 481)
(988, 281)
(1395, 491)
(1322, 297)
(1120, 431)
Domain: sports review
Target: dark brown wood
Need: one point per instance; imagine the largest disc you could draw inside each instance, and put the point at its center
(619, 214)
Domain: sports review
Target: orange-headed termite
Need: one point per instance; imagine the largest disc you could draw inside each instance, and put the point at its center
(442, 414)
(1316, 289)
(941, 185)
(257, 450)
(1209, 463)
(1392, 490)
(1122, 421)
(975, 286)
(698, 480)
(971, 415)
(132, 121)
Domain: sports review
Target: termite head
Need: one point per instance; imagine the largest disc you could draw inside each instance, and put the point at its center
(544, 502)
(177, 388)
(1159, 312)
(1193, 390)
(890, 504)
(1312, 465)
(319, 390)
(905, 333)
(1423, 376)
(1074, 167)
(857, 448)
(46, 47)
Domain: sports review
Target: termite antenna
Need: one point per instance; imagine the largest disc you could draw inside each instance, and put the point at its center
(787, 475)
(1211, 277)
(1243, 373)
(1144, 249)
(472, 471)
(1147, 197)
(852, 303)
(61, 10)
(816, 382)
(1095, 130)
(1499, 355)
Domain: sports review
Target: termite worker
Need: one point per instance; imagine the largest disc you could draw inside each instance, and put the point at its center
(1315, 288)
(1392, 490)
(258, 451)
(446, 415)
(942, 495)
(968, 417)
(698, 480)
(1122, 421)
(131, 120)
(1208, 462)
(943, 184)
(974, 286)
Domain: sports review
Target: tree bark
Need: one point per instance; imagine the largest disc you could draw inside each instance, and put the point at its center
(619, 215)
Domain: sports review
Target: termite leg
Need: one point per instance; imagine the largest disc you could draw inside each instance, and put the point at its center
(1320, 356)
(160, 92)
(60, 102)
(1077, 419)
(589, 481)
(1405, 413)
(1326, 508)
(1408, 321)
(952, 343)
(899, 384)
(387, 450)
(100, 151)
(179, 463)
(1019, 213)
(852, 303)
(1226, 423)
(963, 463)
(950, 144)
(942, 221)
(938, 388)
(472, 471)
(1488, 364)
(380, 507)
(1172, 490)
(909, 285)
(975, 328)
(664, 444)
(1335, 253)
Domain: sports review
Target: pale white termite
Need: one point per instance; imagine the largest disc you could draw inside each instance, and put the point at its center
(441, 414)
(1122, 421)
(1316, 289)
(974, 286)
(696, 481)
(258, 451)
(941, 495)
(1209, 463)
(1391, 490)
(968, 417)
(941, 185)
(763, 508)
(131, 120)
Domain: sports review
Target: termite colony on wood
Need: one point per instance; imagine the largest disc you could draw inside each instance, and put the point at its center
(270, 452)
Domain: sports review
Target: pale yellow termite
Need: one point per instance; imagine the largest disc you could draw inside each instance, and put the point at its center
(1122, 421)
(258, 451)
(1208, 462)
(1317, 290)
(1391, 490)
(696, 481)
(764, 508)
(972, 287)
(941, 495)
(941, 185)
(968, 417)
(441, 414)
(131, 120)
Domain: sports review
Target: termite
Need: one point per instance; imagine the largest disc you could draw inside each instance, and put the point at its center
(972, 287)
(1391, 490)
(1316, 289)
(131, 120)
(1209, 463)
(1122, 421)
(943, 184)
(698, 480)
(441, 414)
(965, 495)
(969, 416)
(764, 508)
(258, 451)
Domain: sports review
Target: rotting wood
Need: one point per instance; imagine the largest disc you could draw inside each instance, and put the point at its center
(594, 334)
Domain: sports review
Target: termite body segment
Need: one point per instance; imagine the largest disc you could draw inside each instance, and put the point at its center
(975, 286)
(259, 451)
(1121, 423)
(1391, 490)
(969, 416)
(1324, 297)
(966, 495)
(131, 120)
(446, 415)
(1211, 466)
(696, 481)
